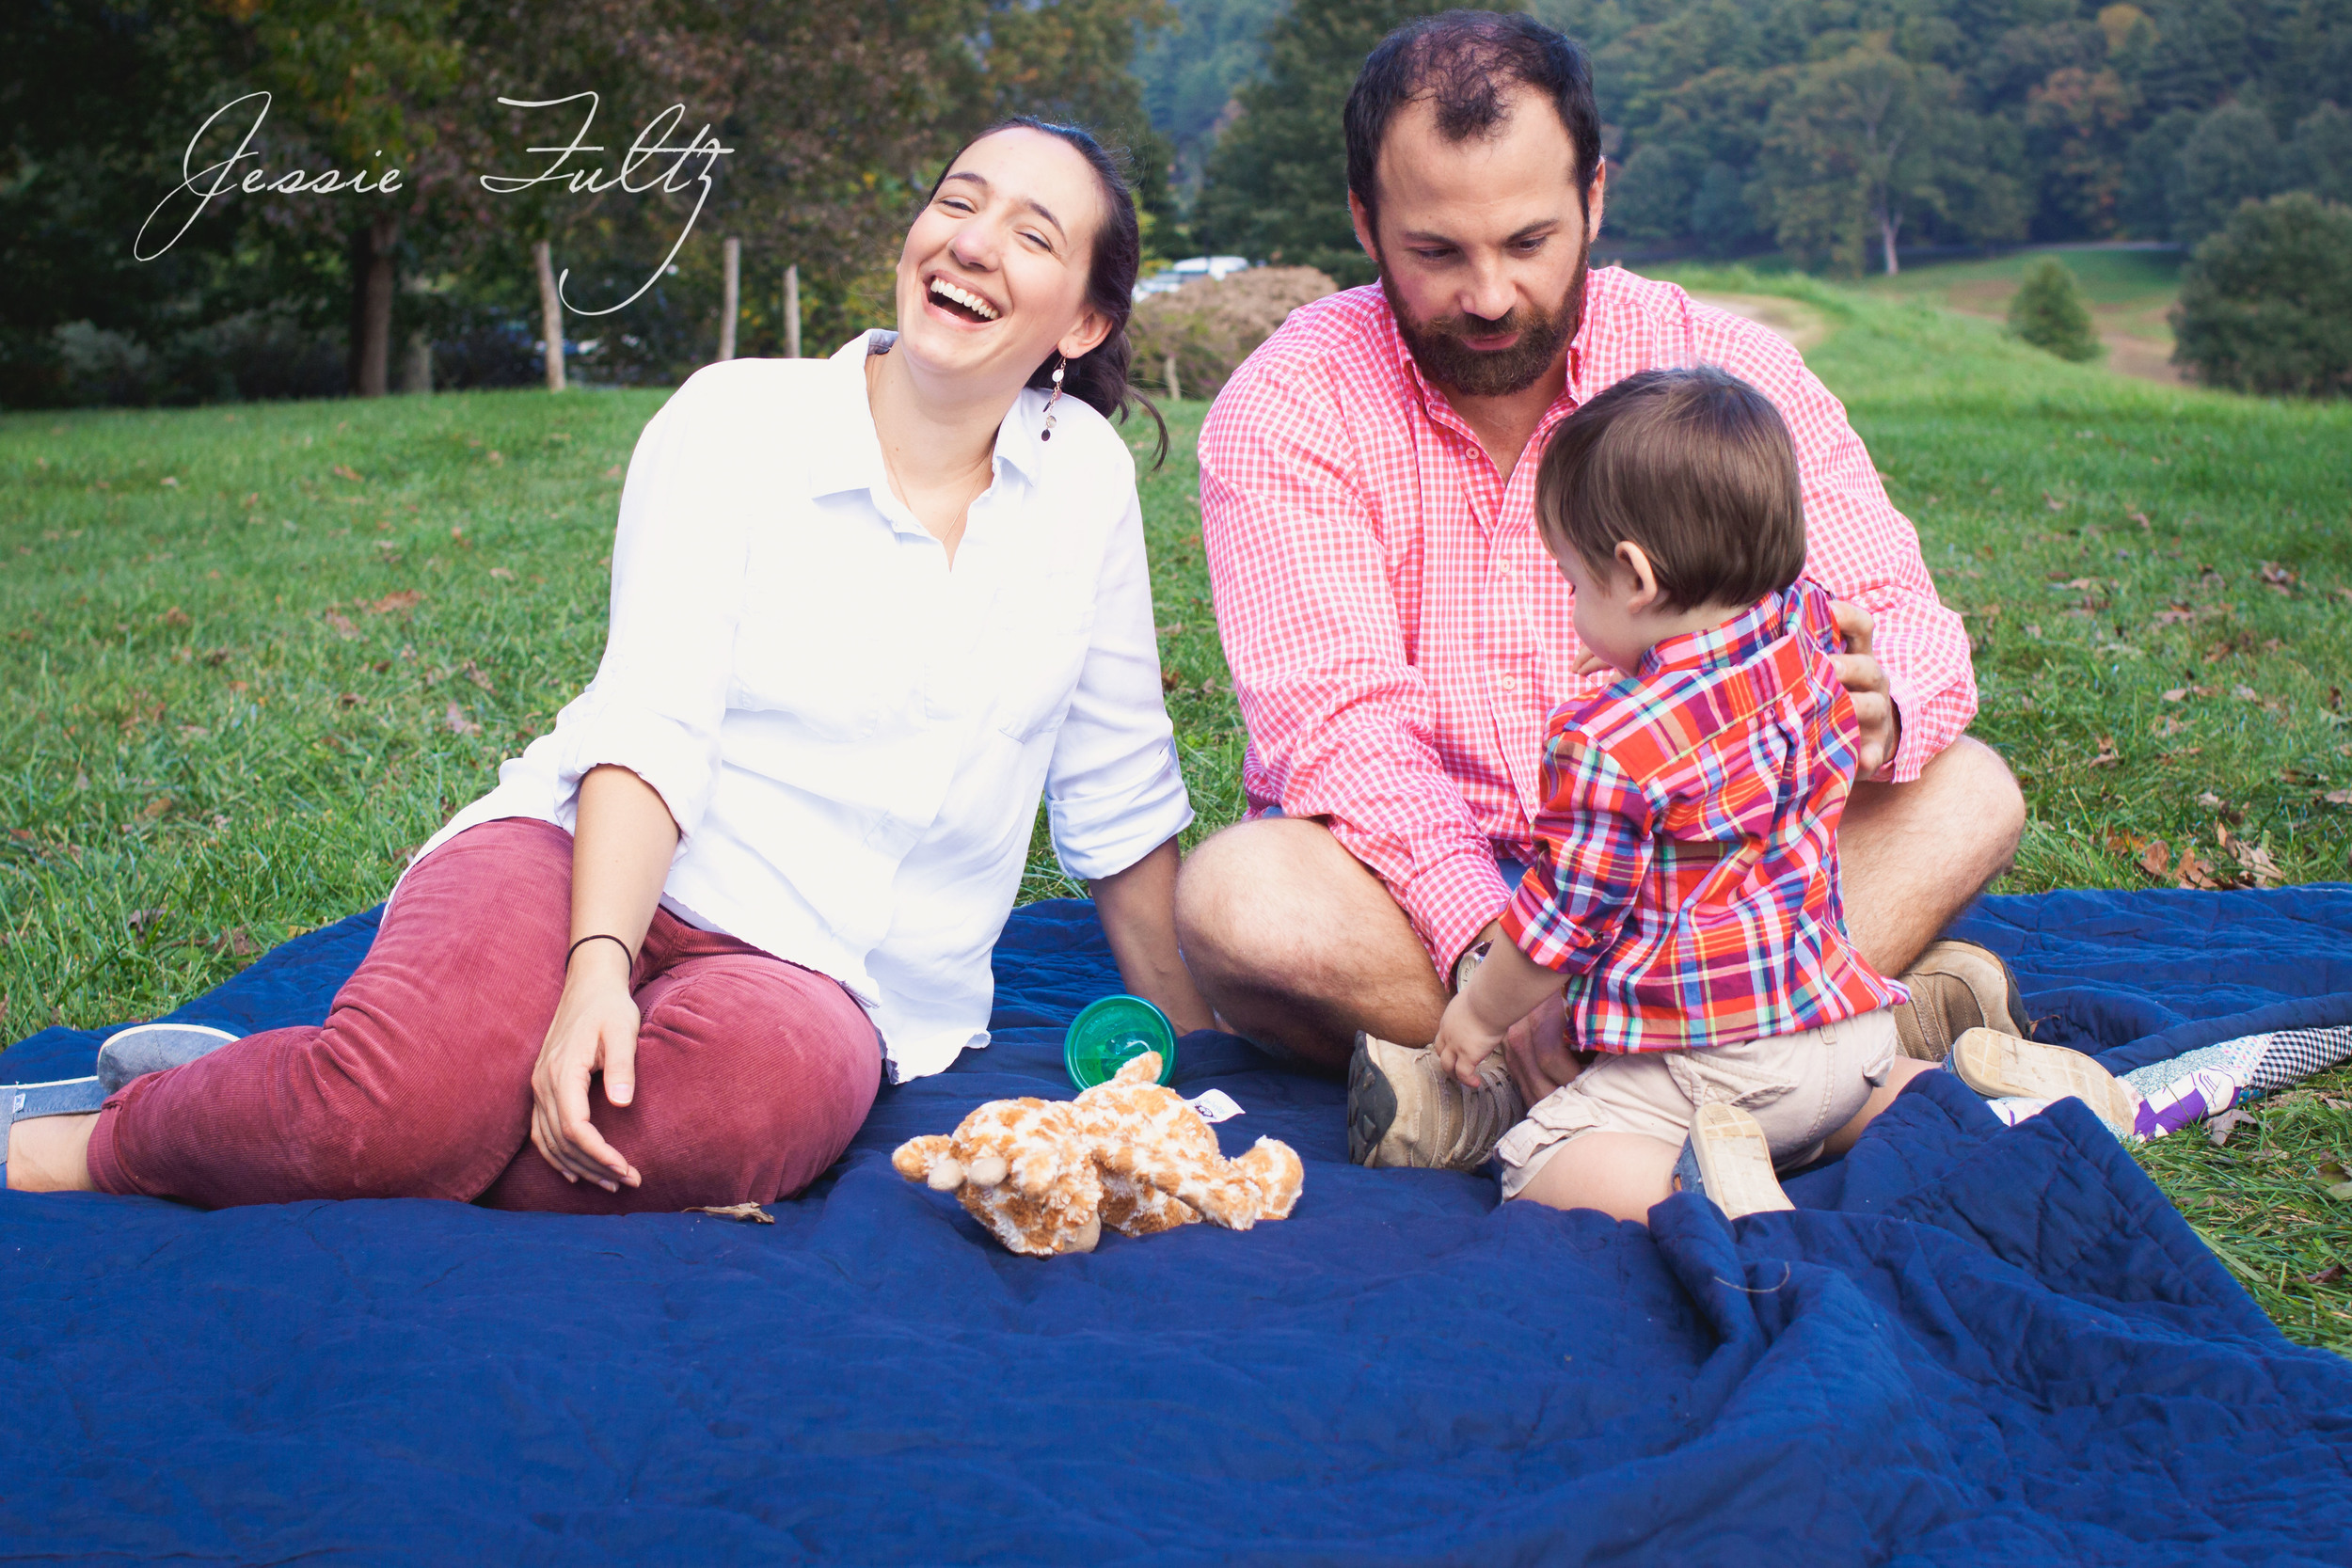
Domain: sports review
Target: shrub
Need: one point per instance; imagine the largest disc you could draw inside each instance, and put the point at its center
(1210, 326)
(2047, 311)
(2266, 303)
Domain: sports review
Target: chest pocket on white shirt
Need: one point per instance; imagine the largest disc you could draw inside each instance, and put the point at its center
(1041, 635)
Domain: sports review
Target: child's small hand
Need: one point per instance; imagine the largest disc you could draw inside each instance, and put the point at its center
(1462, 1043)
(1592, 663)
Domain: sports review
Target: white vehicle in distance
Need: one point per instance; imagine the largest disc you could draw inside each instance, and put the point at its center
(1191, 270)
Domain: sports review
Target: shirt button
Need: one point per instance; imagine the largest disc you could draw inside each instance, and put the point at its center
(1510, 683)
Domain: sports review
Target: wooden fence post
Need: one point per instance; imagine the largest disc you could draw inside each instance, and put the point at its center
(792, 311)
(731, 279)
(1175, 388)
(550, 315)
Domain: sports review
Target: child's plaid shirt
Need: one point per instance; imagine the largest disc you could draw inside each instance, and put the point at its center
(1686, 871)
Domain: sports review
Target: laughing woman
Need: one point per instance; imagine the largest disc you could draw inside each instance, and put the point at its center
(864, 612)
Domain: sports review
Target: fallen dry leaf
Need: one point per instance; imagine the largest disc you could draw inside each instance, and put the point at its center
(2194, 873)
(2338, 796)
(457, 721)
(612, 472)
(2256, 863)
(2219, 1128)
(2107, 756)
(342, 470)
(2327, 1276)
(2167, 725)
(342, 624)
(751, 1213)
(175, 616)
(476, 676)
(236, 942)
(139, 920)
(155, 808)
(501, 572)
(407, 598)
(2246, 694)
(2157, 859)
(2211, 801)
(2052, 501)
(2176, 694)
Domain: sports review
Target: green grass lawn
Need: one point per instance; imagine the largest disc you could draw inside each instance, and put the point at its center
(258, 653)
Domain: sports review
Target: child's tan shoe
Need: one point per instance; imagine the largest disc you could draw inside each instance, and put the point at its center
(1996, 1065)
(1729, 1160)
(1403, 1110)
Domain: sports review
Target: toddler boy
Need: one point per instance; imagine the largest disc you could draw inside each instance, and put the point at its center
(1685, 884)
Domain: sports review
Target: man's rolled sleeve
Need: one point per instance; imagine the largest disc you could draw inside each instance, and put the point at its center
(679, 559)
(1114, 792)
(1857, 546)
(1338, 717)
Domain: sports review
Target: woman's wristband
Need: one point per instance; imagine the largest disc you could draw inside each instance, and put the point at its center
(600, 935)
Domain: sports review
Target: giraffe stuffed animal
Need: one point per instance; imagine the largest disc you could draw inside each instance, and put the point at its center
(1045, 1176)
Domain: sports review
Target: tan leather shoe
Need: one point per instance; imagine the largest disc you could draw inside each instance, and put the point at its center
(1728, 1161)
(1999, 1066)
(1956, 987)
(1406, 1110)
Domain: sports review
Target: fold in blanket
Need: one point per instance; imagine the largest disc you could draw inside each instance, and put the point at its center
(1969, 1342)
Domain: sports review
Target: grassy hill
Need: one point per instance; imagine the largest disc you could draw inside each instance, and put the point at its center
(2130, 293)
(257, 654)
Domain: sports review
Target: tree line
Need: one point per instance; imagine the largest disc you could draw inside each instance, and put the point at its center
(1842, 130)
(838, 116)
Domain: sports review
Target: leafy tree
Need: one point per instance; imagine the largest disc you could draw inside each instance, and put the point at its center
(2047, 310)
(2152, 170)
(2321, 159)
(2267, 303)
(1277, 184)
(2231, 156)
(1861, 143)
(2078, 125)
(1191, 71)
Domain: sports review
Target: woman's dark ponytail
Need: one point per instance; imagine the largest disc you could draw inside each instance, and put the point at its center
(1099, 378)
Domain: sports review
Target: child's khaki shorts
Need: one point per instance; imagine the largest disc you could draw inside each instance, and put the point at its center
(1800, 1088)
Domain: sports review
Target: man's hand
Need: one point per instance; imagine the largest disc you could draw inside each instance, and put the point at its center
(1536, 1050)
(1865, 680)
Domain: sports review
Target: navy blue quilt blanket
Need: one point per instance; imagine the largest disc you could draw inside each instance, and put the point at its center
(1969, 1343)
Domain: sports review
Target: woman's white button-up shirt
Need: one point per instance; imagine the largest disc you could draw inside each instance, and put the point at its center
(851, 737)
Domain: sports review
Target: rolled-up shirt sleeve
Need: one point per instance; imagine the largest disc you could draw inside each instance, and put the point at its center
(678, 562)
(1336, 710)
(1857, 546)
(1113, 790)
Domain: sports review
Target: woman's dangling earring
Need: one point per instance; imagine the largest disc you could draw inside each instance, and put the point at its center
(1047, 434)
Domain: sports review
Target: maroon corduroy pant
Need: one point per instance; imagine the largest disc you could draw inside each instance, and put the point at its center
(753, 1073)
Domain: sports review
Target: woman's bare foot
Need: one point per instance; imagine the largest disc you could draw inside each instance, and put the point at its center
(51, 1154)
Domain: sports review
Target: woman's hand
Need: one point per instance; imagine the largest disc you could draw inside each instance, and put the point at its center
(595, 1029)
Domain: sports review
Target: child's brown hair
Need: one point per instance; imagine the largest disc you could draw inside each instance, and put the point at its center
(1694, 465)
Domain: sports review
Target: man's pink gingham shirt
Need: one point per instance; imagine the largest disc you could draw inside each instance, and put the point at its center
(1397, 633)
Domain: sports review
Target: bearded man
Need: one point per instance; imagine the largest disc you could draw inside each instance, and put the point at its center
(1397, 634)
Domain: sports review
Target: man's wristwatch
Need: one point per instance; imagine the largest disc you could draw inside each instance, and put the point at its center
(1466, 965)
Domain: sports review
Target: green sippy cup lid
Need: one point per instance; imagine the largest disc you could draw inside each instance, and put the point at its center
(1112, 1032)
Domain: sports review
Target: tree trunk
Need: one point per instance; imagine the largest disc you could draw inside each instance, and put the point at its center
(416, 366)
(792, 311)
(551, 314)
(372, 280)
(1887, 226)
(730, 299)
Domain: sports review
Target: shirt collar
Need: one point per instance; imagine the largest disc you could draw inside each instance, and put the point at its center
(1727, 644)
(847, 455)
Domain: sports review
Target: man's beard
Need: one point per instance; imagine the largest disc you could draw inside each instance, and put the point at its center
(1449, 362)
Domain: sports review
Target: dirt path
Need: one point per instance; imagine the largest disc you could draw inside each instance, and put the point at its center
(1801, 325)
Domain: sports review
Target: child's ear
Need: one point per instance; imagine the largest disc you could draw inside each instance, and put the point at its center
(1635, 560)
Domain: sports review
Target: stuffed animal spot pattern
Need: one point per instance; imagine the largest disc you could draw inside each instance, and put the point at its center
(1045, 1176)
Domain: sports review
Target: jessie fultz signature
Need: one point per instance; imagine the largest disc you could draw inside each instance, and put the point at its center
(639, 173)
(596, 181)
